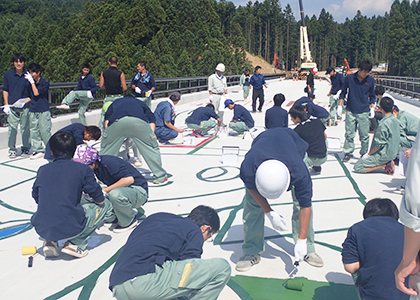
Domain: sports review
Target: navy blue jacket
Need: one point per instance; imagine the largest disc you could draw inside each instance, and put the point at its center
(257, 81)
(57, 190)
(17, 86)
(87, 84)
(285, 145)
(360, 93)
(40, 103)
(159, 238)
(112, 168)
(241, 114)
(337, 83)
(144, 82)
(201, 114)
(75, 129)
(276, 117)
(312, 108)
(164, 113)
(129, 106)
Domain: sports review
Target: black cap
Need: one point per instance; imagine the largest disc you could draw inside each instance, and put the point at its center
(329, 69)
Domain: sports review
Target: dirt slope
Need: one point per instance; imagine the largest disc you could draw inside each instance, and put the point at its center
(266, 66)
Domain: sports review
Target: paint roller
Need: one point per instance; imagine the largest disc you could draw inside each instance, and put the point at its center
(296, 283)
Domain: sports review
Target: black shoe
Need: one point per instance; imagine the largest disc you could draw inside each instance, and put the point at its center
(317, 169)
(347, 157)
(260, 110)
(254, 111)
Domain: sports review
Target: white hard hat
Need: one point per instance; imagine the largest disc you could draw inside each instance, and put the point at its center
(220, 67)
(272, 179)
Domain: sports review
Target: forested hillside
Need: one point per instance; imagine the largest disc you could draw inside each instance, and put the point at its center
(189, 37)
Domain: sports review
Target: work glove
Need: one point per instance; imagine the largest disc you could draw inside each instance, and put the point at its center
(89, 94)
(103, 192)
(149, 93)
(365, 156)
(211, 98)
(372, 113)
(137, 90)
(300, 250)
(29, 78)
(278, 222)
(7, 110)
(336, 96)
(339, 110)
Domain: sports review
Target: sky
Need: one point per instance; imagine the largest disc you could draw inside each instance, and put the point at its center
(339, 9)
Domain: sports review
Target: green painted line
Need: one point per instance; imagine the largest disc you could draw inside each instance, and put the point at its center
(242, 293)
(202, 145)
(222, 232)
(16, 184)
(16, 167)
(88, 283)
(362, 197)
(13, 221)
(197, 196)
(224, 172)
(328, 177)
(4, 204)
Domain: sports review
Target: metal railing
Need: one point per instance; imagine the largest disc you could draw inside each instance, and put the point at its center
(164, 87)
(408, 86)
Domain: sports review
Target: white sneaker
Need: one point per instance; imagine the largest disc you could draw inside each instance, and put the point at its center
(137, 164)
(314, 260)
(51, 249)
(37, 155)
(62, 106)
(74, 250)
(120, 229)
(247, 261)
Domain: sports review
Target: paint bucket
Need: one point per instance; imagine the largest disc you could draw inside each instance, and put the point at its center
(230, 155)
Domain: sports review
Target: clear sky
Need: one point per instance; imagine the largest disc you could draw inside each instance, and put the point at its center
(340, 9)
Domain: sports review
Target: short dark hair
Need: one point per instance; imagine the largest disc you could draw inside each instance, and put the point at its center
(210, 105)
(113, 60)
(94, 131)
(365, 65)
(396, 108)
(379, 90)
(63, 145)
(86, 65)
(380, 207)
(18, 56)
(298, 111)
(257, 67)
(386, 104)
(279, 99)
(33, 67)
(205, 215)
(143, 64)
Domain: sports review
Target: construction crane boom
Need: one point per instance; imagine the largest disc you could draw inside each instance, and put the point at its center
(305, 52)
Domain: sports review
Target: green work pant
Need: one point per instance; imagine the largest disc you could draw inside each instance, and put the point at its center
(314, 161)
(204, 126)
(354, 121)
(146, 100)
(199, 279)
(253, 220)
(124, 200)
(84, 101)
(333, 110)
(16, 117)
(371, 161)
(239, 127)
(95, 214)
(108, 98)
(216, 103)
(141, 134)
(246, 91)
(40, 129)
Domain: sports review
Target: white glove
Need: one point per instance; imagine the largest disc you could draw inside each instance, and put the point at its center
(372, 113)
(137, 90)
(278, 222)
(103, 192)
(211, 98)
(149, 93)
(337, 96)
(300, 250)
(365, 156)
(7, 110)
(89, 94)
(339, 110)
(29, 78)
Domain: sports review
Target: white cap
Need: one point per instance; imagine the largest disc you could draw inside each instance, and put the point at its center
(272, 179)
(220, 67)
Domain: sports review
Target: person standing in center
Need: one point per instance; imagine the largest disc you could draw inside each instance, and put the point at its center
(244, 83)
(114, 83)
(217, 88)
(257, 82)
(143, 84)
(337, 82)
(360, 88)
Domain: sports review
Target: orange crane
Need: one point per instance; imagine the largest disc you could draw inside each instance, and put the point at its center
(346, 67)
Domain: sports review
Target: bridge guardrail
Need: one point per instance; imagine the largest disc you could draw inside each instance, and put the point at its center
(408, 86)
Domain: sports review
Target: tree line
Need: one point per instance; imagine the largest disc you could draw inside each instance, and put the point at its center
(179, 38)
